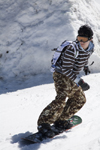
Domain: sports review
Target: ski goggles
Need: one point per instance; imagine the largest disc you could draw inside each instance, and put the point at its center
(82, 39)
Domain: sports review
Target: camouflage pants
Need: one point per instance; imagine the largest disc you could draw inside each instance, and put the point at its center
(59, 109)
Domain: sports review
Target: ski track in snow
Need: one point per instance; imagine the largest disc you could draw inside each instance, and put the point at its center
(27, 30)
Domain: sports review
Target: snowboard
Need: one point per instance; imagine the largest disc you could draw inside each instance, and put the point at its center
(38, 137)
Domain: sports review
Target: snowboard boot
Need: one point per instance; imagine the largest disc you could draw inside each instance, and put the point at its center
(46, 130)
(63, 125)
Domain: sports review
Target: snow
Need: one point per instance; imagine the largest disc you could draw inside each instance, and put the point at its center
(28, 32)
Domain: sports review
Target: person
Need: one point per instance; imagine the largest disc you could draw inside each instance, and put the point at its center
(65, 78)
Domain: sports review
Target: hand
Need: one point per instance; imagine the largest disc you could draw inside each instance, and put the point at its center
(86, 70)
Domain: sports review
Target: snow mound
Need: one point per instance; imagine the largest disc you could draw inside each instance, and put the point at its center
(30, 29)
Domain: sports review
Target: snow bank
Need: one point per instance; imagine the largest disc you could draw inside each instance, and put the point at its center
(30, 29)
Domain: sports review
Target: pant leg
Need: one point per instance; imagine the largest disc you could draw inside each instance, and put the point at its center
(64, 88)
(73, 105)
(53, 111)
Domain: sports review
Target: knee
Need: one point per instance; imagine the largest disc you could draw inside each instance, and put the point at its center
(80, 96)
(83, 99)
(60, 97)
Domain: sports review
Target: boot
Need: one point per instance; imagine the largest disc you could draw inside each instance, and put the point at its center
(46, 130)
(63, 124)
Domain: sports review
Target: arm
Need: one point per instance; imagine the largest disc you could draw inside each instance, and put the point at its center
(68, 62)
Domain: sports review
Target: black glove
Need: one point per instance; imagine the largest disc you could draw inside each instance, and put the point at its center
(83, 85)
(86, 70)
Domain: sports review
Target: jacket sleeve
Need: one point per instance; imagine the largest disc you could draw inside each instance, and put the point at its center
(68, 62)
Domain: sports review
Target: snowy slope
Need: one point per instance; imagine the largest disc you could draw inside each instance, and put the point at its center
(19, 112)
(28, 30)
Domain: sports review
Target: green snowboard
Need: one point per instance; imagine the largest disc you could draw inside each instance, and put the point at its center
(38, 137)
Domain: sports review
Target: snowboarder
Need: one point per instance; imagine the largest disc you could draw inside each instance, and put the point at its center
(66, 82)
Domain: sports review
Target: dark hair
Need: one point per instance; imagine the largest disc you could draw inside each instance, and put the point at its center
(85, 31)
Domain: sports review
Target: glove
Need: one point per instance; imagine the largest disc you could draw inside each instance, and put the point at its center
(83, 85)
(86, 70)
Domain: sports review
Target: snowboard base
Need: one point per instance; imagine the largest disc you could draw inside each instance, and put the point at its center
(38, 137)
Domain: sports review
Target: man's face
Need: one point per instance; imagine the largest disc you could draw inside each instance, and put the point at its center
(84, 41)
(85, 45)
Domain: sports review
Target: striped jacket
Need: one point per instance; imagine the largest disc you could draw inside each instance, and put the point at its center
(70, 65)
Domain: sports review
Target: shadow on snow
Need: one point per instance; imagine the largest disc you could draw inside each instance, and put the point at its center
(15, 84)
(26, 145)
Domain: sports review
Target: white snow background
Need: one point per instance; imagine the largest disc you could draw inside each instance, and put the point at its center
(29, 29)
